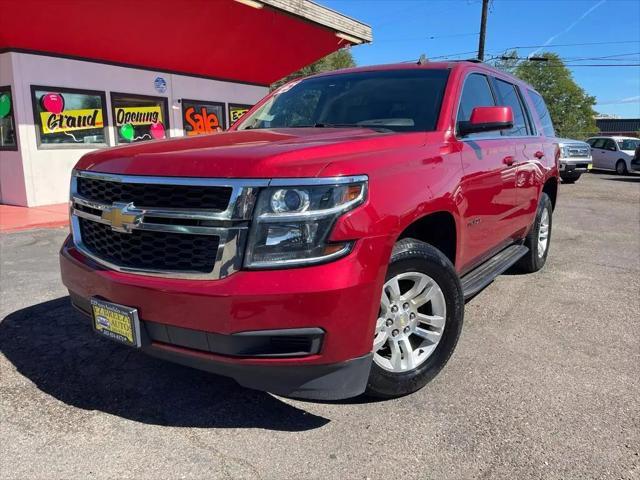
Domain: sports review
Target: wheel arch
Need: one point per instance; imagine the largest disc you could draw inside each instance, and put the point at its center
(550, 187)
(438, 229)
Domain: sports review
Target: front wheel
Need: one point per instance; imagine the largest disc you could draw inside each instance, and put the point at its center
(621, 167)
(419, 322)
(570, 177)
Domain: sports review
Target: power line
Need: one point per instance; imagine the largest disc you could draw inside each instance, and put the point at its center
(457, 54)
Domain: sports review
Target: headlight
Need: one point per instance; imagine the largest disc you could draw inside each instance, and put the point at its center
(293, 220)
(565, 152)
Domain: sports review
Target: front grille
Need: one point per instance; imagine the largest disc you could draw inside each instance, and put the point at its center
(143, 249)
(155, 195)
(579, 152)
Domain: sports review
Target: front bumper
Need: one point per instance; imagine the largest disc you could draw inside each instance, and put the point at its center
(574, 165)
(334, 299)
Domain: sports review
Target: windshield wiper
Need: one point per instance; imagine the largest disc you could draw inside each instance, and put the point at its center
(352, 125)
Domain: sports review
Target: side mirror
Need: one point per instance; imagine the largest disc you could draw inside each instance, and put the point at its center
(487, 119)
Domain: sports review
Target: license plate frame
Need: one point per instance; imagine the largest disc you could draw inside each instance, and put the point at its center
(116, 322)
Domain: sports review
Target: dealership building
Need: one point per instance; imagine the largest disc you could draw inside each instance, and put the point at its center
(82, 77)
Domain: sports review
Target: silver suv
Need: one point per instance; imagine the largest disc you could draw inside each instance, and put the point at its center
(575, 159)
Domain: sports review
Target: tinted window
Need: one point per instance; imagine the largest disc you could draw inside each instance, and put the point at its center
(138, 118)
(598, 143)
(199, 118)
(65, 116)
(399, 100)
(475, 93)
(7, 122)
(591, 141)
(610, 144)
(509, 97)
(543, 114)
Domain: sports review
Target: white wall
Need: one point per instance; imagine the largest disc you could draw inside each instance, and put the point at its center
(12, 183)
(47, 171)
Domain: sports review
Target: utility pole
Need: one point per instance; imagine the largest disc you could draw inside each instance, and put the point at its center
(483, 29)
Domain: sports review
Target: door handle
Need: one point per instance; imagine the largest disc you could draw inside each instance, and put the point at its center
(508, 160)
(539, 154)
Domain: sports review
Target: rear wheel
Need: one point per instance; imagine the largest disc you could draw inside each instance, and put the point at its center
(419, 322)
(621, 167)
(539, 237)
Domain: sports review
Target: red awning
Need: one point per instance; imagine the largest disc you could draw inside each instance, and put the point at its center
(221, 39)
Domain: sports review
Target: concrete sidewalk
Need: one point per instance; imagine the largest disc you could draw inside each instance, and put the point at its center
(13, 219)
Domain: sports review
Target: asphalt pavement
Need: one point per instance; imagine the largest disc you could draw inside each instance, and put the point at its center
(545, 382)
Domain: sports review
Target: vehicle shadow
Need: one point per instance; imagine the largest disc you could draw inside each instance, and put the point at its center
(634, 179)
(53, 346)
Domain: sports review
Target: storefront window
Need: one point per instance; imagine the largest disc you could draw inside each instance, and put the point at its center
(138, 118)
(7, 121)
(202, 117)
(236, 111)
(69, 117)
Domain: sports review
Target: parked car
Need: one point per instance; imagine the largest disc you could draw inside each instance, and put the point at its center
(613, 153)
(325, 245)
(575, 159)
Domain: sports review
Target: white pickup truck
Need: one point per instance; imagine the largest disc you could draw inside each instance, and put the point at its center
(575, 159)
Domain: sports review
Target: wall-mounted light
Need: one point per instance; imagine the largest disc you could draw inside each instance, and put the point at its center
(344, 36)
(251, 3)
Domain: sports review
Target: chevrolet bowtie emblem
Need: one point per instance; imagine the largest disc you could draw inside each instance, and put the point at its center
(121, 218)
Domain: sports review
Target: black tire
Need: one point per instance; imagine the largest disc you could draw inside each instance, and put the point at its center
(621, 167)
(533, 261)
(411, 255)
(570, 177)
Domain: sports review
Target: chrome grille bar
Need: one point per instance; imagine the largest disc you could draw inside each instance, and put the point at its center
(230, 225)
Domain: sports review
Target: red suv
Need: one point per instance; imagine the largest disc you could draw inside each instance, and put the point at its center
(325, 245)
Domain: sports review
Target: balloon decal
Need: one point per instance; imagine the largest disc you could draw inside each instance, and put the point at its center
(53, 102)
(127, 131)
(157, 130)
(5, 105)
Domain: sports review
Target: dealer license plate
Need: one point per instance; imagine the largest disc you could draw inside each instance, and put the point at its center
(116, 322)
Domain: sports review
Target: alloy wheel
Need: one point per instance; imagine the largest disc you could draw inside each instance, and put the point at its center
(411, 321)
(543, 233)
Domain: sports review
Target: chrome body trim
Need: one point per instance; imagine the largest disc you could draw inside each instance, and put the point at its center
(230, 225)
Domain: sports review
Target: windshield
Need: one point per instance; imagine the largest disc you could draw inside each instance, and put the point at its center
(628, 144)
(397, 100)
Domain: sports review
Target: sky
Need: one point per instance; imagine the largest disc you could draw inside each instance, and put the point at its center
(405, 29)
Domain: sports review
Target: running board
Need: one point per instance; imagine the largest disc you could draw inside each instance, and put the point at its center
(481, 276)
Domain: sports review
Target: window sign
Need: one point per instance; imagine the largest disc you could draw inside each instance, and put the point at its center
(202, 117)
(236, 111)
(7, 121)
(69, 117)
(139, 118)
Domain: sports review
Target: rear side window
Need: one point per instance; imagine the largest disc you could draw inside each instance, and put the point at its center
(543, 114)
(475, 93)
(509, 97)
(610, 145)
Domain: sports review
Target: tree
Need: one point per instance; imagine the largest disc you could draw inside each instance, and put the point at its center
(506, 62)
(570, 106)
(333, 61)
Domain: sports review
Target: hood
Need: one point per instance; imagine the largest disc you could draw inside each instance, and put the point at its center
(287, 152)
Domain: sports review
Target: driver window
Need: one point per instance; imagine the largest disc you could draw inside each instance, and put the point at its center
(610, 145)
(475, 93)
